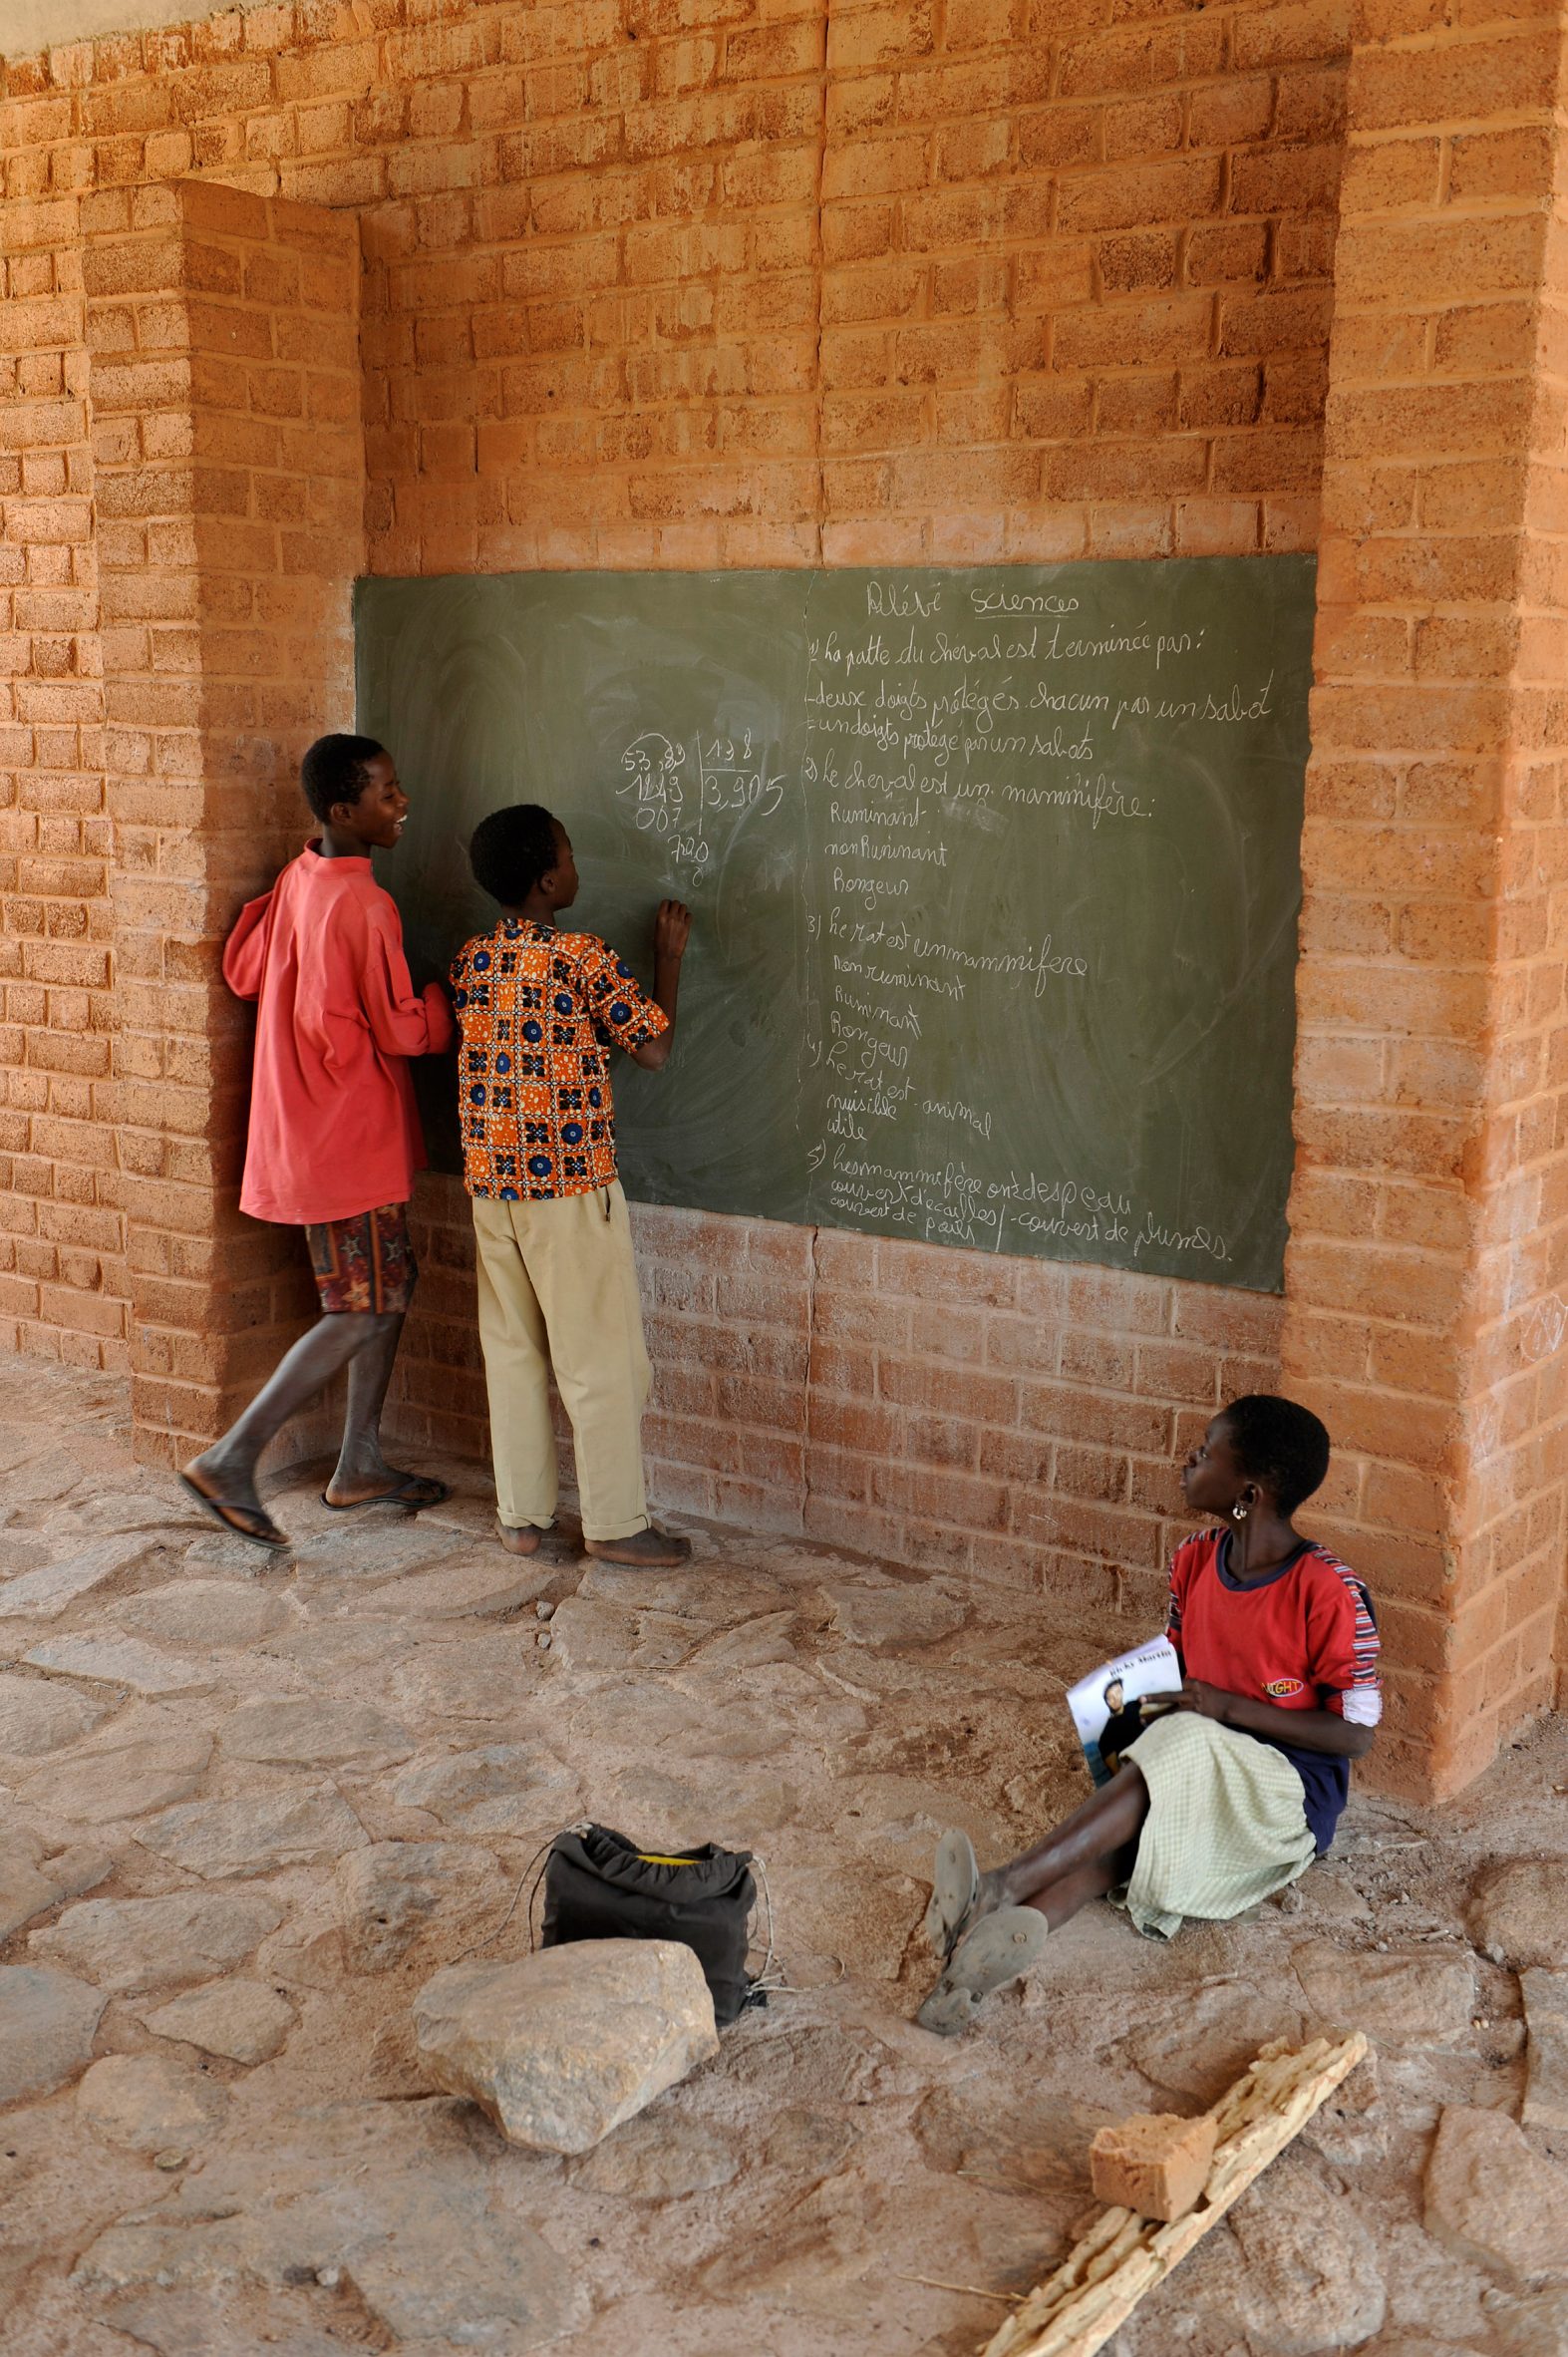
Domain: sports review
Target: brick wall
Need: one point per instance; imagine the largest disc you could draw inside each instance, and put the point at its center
(753, 283)
(654, 288)
(647, 287)
(1427, 1274)
(1015, 1420)
(228, 486)
(62, 1225)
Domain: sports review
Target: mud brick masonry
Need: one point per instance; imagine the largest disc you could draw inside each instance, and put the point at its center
(308, 291)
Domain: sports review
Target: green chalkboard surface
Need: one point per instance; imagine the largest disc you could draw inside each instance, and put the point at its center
(995, 874)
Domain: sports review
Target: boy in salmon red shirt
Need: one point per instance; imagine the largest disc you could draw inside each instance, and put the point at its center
(334, 1137)
(1233, 1791)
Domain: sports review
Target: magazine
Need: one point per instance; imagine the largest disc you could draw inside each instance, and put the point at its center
(1113, 1704)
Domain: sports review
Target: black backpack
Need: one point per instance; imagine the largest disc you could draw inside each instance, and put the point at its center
(600, 1886)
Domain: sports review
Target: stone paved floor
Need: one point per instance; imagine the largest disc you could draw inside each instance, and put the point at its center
(246, 1807)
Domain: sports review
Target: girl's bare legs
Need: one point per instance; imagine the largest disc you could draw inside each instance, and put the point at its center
(1095, 1837)
(1084, 1858)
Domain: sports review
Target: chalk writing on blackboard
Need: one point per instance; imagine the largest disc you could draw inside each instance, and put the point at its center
(994, 877)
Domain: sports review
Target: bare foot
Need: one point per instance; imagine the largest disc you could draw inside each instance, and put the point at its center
(644, 1550)
(558, 1539)
(990, 1895)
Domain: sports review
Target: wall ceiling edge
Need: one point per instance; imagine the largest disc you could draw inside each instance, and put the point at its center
(33, 25)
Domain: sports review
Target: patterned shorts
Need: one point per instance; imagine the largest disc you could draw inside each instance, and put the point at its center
(366, 1263)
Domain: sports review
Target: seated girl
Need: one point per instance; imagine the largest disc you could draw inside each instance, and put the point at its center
(1234, 1791)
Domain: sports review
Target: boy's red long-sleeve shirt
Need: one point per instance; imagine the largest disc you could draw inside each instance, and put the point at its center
(334, 1130)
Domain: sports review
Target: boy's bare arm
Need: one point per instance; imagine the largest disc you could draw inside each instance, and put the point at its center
(672, 930)
(1312, 1731)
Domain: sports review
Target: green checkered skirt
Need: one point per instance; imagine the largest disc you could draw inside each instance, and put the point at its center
(1226, 1825)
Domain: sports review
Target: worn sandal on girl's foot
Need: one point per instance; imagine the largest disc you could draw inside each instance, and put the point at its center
(1001, 1948)
(955, 1885)
(245, 1522)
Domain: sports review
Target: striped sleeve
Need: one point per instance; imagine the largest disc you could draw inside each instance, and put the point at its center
(1182, 1563)
(1344, 1664)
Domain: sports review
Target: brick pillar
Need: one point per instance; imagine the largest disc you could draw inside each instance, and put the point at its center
(229, 488)
(1428, 1278)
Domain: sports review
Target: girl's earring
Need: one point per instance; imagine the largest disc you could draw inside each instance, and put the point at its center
(1239, 1511)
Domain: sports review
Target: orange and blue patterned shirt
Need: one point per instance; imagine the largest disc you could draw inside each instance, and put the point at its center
(539, 1012)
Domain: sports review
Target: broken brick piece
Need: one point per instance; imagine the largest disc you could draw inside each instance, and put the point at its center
(1155, 2162)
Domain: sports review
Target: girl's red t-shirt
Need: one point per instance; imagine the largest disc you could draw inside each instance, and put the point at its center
(1304, 1639)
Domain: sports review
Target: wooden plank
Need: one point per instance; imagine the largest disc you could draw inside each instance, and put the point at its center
(1122, 2257)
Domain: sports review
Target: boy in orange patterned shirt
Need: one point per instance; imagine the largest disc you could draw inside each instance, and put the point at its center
(539, 1011)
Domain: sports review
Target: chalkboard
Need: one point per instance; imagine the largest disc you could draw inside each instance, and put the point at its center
(995, 873)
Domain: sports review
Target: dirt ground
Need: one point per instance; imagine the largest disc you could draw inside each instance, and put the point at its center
(243, 1739)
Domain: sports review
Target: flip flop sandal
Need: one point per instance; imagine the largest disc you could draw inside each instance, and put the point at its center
(408, 1492)
(955, 1886)
(225, 1512)
(1001, 1948)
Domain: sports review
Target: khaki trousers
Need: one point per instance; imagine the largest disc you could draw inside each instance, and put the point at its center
(558, 1289)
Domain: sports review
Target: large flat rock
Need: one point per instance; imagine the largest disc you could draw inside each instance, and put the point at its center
(315, 1731)
(1519, 1911)
(719, 1723)
(25, 1890)
(564, 2045)
(390, 2198)
(255, 1834)
(45, 1476)
(391, 1893)
(904, 1612)
(145, 1761)
(47, 1592)
(1546, 2050)
(131, 1945)
(149, 2102)
(770, 1636)
(588, 1636)
(243, 2020)
(1536, 2326)
(495, 1788)
(47, 2024)
(204, 1613)
(335, 1649)
(368, 1547)
(658, 2158)
(31, 1878)
(123, 1661)
(39, 1715)
(1491, 2200)
(717, 1594)
(479, 1677)
(157, 1508)
(1198, 2047)
(1306, 2279)
(1406, 1997)
(459, 1591)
